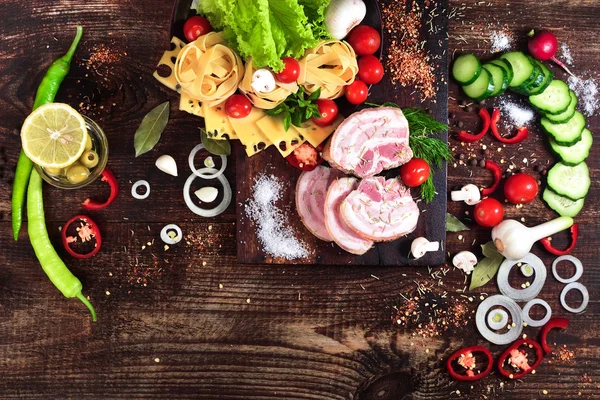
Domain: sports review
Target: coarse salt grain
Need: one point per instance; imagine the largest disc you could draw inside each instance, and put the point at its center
(501, 41)
(587, 93)
(515, 116)
(565, 54)
(276, 238)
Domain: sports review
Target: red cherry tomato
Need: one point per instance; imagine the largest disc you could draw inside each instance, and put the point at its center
(306, 157)
(415, 172)
(290, 71)
(195, 27)
(357, 92)
(364, 40)
(328, 110)
(489, 212)
(370, 70)
(238, 106)
(520, 188)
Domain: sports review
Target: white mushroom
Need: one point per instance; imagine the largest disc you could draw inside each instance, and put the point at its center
(263, 81)
(465, 261)
(469, 194)
(420, 246)
(167, 165)
(343, 15)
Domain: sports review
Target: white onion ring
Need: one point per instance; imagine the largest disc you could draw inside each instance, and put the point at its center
(526, 270)
(536, 322)
(198, 172)
(497, 325)
(530, 292)
(578, 269)
(135, 187)
(164, 234)
(584, 292)
(213, 212)
(515, 313)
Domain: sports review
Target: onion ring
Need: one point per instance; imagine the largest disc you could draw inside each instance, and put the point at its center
(536, 322)
(227, 195)
(198, 172)
(164, 234)
(584, 292)
(135, 187)
(530, 292)
(578, 269)
(515, 313)
(497, 325)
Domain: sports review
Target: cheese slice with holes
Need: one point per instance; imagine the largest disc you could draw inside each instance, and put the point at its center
(315, 134)
(216, 122)
(190, 105)
(285, 141)
(249, 133)
(169, 57)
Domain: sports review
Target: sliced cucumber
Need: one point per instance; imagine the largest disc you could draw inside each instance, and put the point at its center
(548, 77)
(506, 66)
(564, 206)
(536, 78)
(567, 114)
(566, 134)
(570, 181)
(522, 67)
(481, 88)
(573, 155)
(554, 100)
(466, 69)
(499, 78)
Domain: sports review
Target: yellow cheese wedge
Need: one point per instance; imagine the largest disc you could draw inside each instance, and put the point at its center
(216, 122)
(190, 105)
(315, 134)
(168, 59)
(249, 133)
(286, 142)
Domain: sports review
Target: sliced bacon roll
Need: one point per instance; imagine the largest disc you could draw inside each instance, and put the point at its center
(311, 190)
(341, 233)
(370, 141)
(380, 210)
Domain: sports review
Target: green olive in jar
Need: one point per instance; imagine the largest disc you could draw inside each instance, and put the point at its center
(89, 159)
(77, 173)
(88, 142)
(54, 171)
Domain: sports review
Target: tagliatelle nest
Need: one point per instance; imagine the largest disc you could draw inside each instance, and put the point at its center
(266, 101)
(329, 66)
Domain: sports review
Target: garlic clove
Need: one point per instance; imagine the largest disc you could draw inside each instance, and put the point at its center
(207, 194)
(167, 164)
(209, 162)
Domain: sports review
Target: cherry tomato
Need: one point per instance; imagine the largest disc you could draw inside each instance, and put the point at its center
(520, 188)
(357, 92)
(328, 110)
(195, 27)
(415, 172)
(489, 212)
(370, 70)
(305, 157)
(290, 71)
(238, 106)
(364, 40)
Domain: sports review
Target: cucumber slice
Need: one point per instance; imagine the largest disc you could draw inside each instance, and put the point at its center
(466, 69)
(499, 77)
(548, 77)
(522, 67)
(564, 206)
(567, 114)
(554, 100)
(568, 133)
(506, 66)
(536, 78)
(481, 88)
(572, 182)
(573, 155)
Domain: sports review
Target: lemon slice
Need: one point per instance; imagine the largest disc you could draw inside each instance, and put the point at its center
(54, 135)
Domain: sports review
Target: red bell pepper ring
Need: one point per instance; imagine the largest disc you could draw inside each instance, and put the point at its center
(522, 132)
(306, 157)
(497, 173)
(509, 356)
(107, 176)
(465, 136)
(560, 323)
(546, 242)
(86, 231)
(466, 359)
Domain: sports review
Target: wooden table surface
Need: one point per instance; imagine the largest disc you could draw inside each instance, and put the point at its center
(188, 322)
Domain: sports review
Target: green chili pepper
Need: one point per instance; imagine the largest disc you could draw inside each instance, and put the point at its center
(45, 94)
(51, 263)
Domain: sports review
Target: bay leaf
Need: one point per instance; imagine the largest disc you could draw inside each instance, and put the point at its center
(484, 271)
(453, 224)
(151, 128)
(489, 250)
(220, 147)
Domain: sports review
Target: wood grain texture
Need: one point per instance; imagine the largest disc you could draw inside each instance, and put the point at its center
(190, 323)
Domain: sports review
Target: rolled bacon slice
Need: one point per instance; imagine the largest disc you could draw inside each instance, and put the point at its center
(380, 210)
(311, 190)
(369, 141)
(341, 233)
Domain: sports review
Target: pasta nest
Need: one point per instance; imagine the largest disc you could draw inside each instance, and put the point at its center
(266, 101)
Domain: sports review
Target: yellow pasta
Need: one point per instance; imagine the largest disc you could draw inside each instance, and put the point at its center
(329, 66)
(266, 101)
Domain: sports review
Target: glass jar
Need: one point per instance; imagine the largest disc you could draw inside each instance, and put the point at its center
(99, 145)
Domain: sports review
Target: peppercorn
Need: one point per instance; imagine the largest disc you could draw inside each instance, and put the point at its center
(461, 156)
(538, 168)
(462, 102)
(473, 162)
(469, 109)
(482, 163)
(460, 124)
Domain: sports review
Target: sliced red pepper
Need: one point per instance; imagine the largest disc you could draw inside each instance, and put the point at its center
(306, 157)
(469, 374)
(521, 135)
(574, 235)
(107, 176)
(560, 323)
(465, 136)
(87, 230)
(506, 354)
(497, 173)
